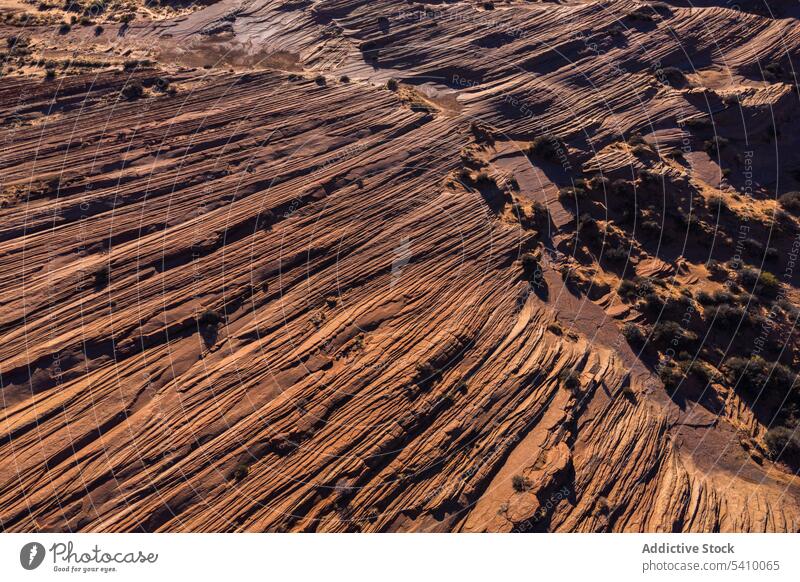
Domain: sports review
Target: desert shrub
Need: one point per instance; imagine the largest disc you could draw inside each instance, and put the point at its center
(667, 333)
(716, 269)
(545, 146)
(320, 80)
(570, 378)
(64, 28)
(756, 374)
(481, 132)
(724, 297)
(627, 289)
(651, 227)
(763, 282)
(641, 14)
(772, 72)
(392, 85)
(730, 317)
(530, 265)
(569, 193)
(769, 284)
(783, 443)
(730, 99)
(616, 254)
(132, 90)
(718, 202)
(787, 307)
(620, 187)
(701, 122)
(790, 202)
(344, 79)
(209, 318)
(705, 298)
(673, 76)
(520, 483)
(648, 177)
(98, 30)
(677, 307)
(715, 145)
(634, 334)
(671, 375)
(587, 225)
(598, 182)
(102, 276)
(636, 139)
(426, 374)
(704, 372)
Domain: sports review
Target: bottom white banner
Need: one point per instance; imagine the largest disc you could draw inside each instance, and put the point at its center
(354, 557)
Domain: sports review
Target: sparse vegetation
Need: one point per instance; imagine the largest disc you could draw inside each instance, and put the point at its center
(754, 375)
(570, 378)
(783, 443)
(520, 483)
(209, 318)
(545, 146)
(634, 335)
(530, 265)
(715, 145)
(102, 276)
(673, 76)
(790, 201)
(132, 90)
(671, 375)
(671, 334)
(392, 85)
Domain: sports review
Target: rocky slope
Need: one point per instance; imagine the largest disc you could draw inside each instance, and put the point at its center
(342, 266)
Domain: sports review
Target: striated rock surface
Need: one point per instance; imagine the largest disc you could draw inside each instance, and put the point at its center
(284, 297)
